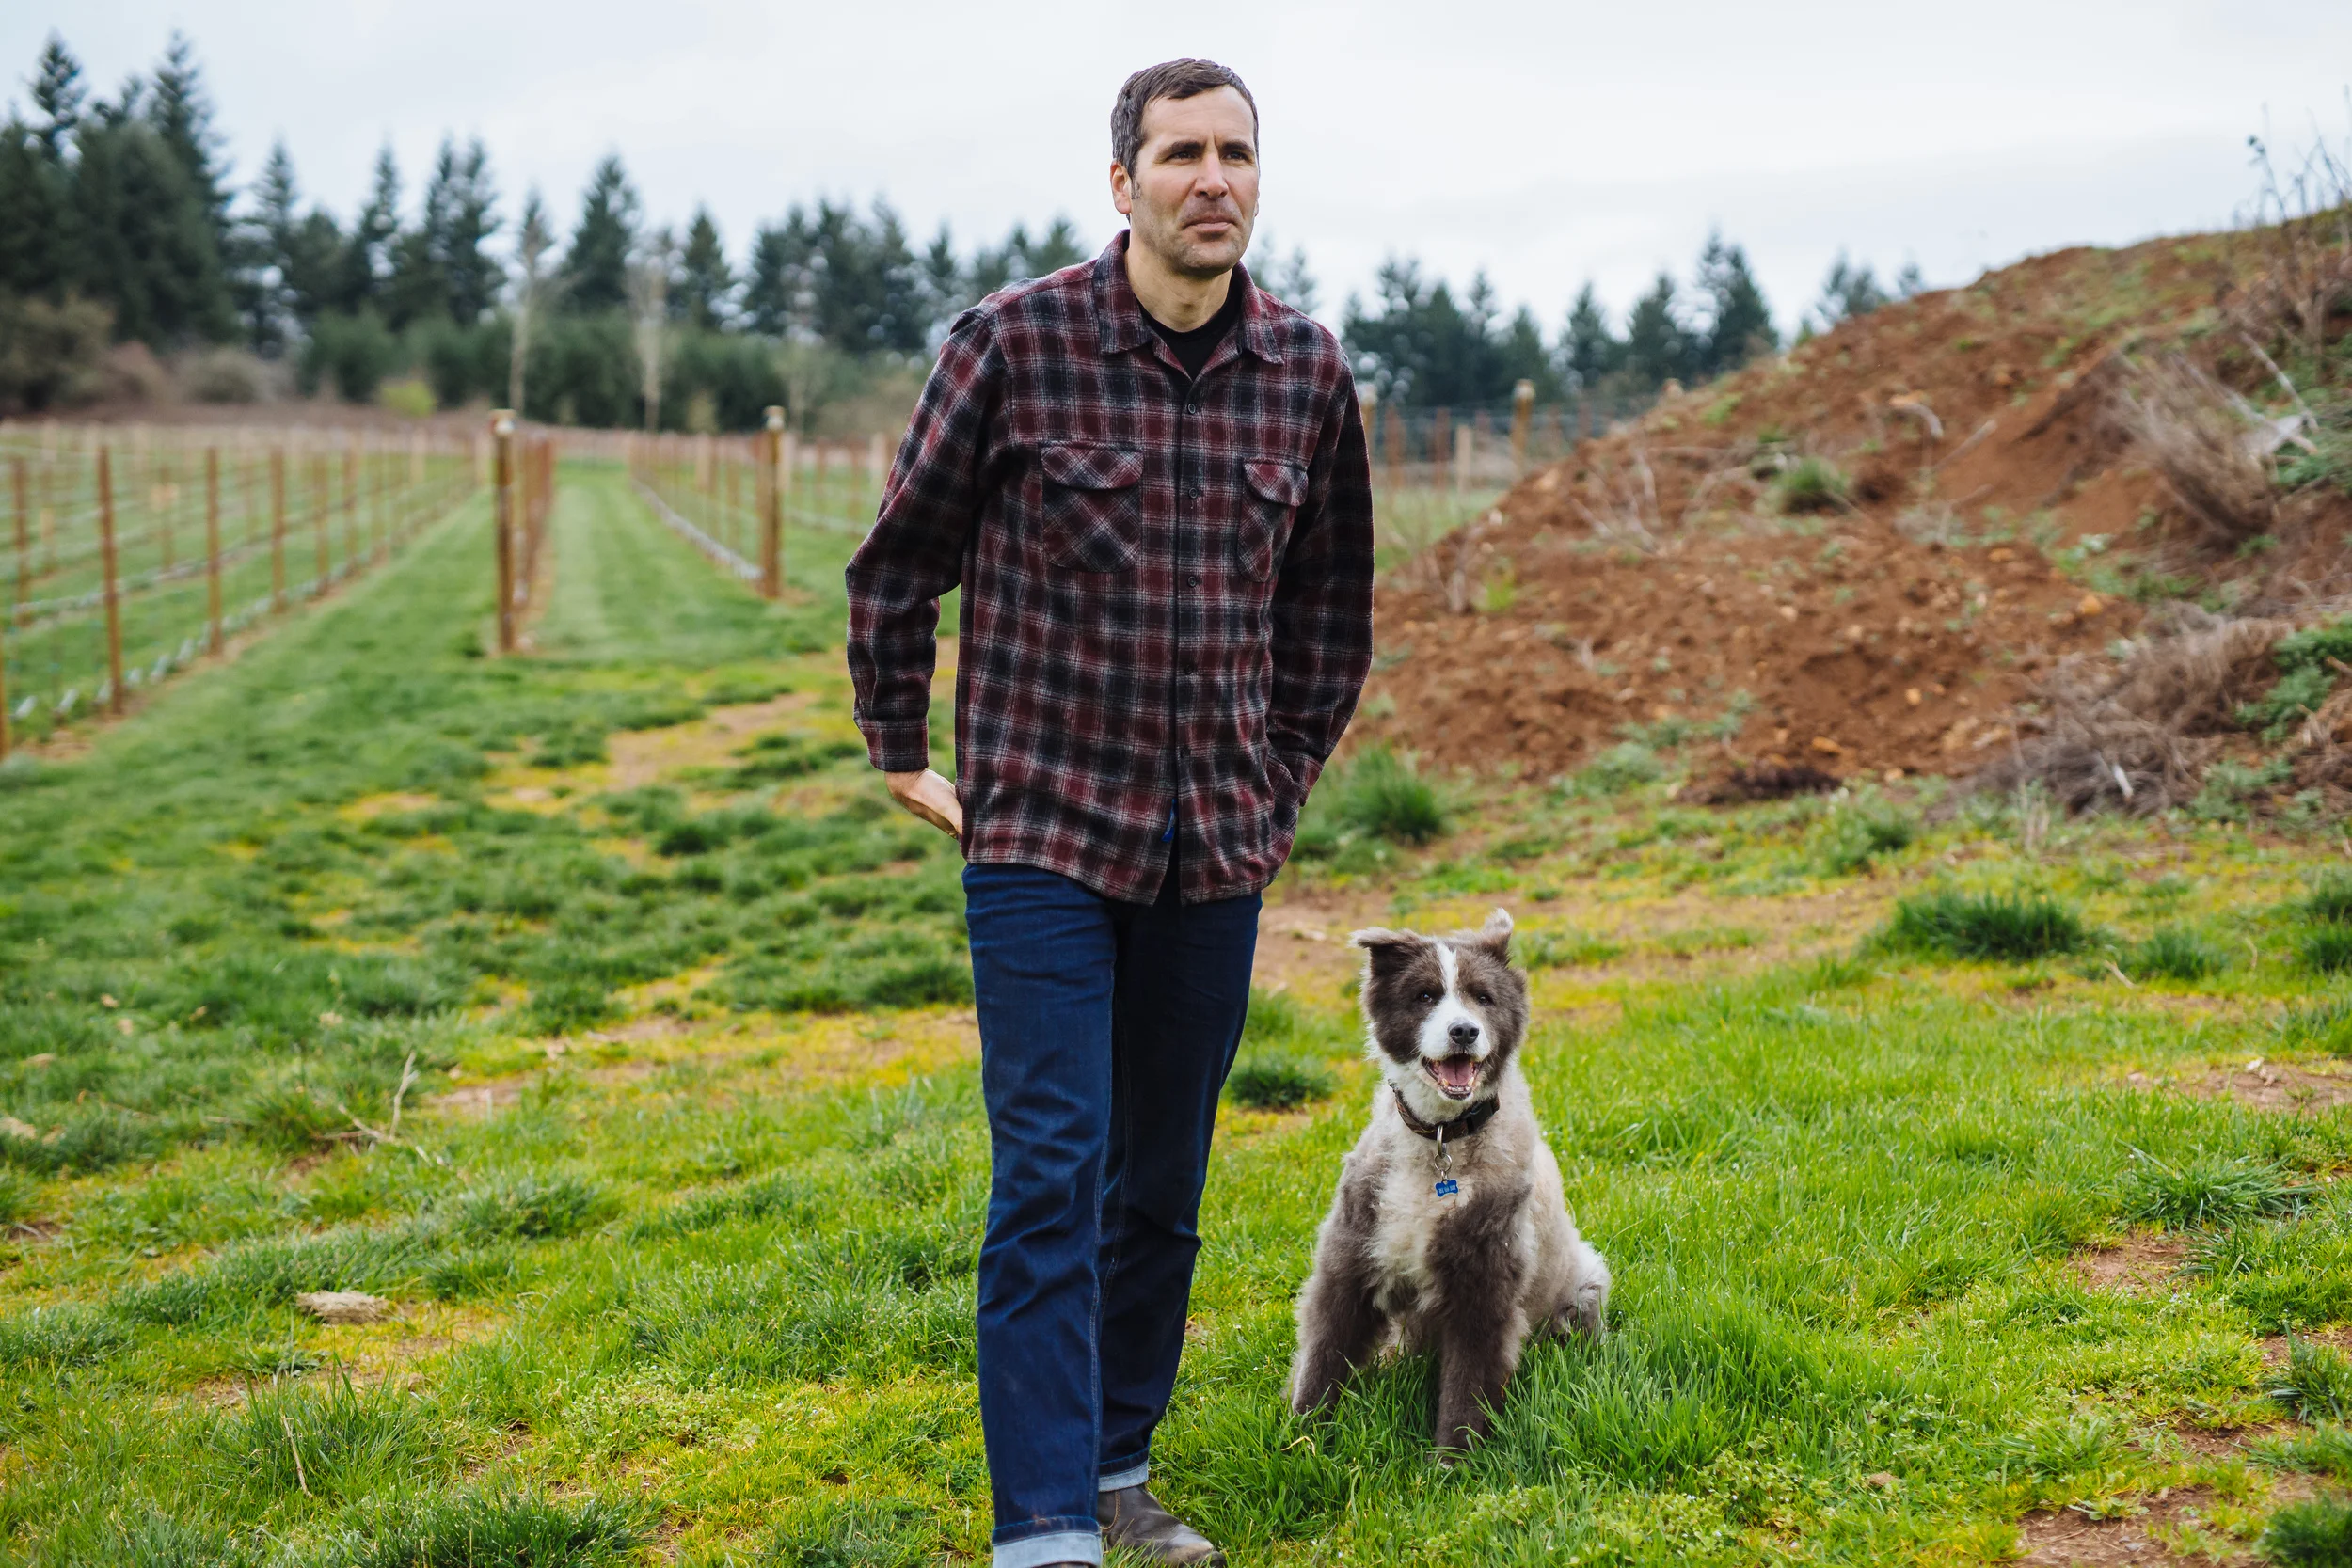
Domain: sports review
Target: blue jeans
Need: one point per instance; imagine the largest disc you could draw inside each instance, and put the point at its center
(1106, 1030)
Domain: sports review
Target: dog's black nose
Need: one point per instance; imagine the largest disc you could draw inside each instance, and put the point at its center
(1463, 1033)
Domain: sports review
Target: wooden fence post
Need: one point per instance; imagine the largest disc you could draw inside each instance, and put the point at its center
(106, 569)
(163, 499)
(772, 514)
(1394, 442)
(24, 536)
(212, 543)
(503, 476)
(1522, 423)
(1440, 442)
(277, 528)
(321, 499)
(1464, 452)
(351, 503)
(1368, 409)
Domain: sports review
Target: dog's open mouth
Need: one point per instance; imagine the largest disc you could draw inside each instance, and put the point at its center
(1456, 1075)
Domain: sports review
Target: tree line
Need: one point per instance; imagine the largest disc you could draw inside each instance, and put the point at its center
(1420, 346)
(119, 224)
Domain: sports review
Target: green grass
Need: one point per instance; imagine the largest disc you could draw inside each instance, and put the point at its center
(680, 1219)
(2173, 953)
(2010, 927)
(1809, 484)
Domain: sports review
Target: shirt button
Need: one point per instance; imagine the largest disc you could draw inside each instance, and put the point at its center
(1192, 579)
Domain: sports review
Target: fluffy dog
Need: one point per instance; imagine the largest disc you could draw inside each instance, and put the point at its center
(1449, 1231)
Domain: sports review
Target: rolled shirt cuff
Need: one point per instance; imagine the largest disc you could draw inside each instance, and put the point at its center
(899, 748)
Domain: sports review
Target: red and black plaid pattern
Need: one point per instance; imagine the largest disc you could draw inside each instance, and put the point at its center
(1167, 592)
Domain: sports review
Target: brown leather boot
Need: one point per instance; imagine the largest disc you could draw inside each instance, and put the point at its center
(1132, 1518)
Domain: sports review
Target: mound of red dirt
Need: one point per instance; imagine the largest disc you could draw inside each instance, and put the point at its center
(1860, 557)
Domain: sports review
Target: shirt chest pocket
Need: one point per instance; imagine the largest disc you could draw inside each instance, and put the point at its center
(1274, 489)
(1093, 505)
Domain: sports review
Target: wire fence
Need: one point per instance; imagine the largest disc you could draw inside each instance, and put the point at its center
(134, 552)
(735, 498)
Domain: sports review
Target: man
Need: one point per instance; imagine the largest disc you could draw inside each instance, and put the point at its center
(1148, 478)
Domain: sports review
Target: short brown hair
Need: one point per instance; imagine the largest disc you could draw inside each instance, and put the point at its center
(1168, 79)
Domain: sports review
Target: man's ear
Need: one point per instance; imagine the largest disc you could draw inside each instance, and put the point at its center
(1496, 934)
(1123, 189)
(1384, 950)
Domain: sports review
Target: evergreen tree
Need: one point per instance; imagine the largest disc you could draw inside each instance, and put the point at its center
(1056, 249)
(1589, 352)
(147, 243)
(703, 298)
(1657, 346)
(533, 287)
(1848, 290)
(1289, 281)
(771, 290)
(440, 269)
(367, 255)
(1740, 324)
(182, 114)
(1420, 347)
(944, 283)
(469, 219)
(866, 287)
(58, 95)
(35, 233)
(596, 268)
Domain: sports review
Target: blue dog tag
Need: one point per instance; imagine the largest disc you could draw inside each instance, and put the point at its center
(1448, 1187)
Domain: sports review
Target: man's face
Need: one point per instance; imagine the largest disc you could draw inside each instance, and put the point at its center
(1193, 197)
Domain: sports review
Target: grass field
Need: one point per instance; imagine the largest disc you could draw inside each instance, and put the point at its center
(1970, 1187)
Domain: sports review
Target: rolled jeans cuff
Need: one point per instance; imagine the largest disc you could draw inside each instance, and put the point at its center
(1063, 1544)
(1134, 1474)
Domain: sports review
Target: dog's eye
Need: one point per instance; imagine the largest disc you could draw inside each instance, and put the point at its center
(1424, 995)
(1486, 999)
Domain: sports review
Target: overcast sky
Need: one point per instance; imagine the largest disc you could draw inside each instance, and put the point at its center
(1547, 143)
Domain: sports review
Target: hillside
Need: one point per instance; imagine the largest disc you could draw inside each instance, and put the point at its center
(1871, 554)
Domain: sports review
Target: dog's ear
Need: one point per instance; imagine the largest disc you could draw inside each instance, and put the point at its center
(1386, 950)
(1496, 934)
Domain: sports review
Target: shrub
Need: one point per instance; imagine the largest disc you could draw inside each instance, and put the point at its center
(2316, 1534)
(409, 396)
(1809, 484)
(354, 353)
(52, 356)
(1278, 1082)
(2193, 433)
(2009, 927)
(224, 375)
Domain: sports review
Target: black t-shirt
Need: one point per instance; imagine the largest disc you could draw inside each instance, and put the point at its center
(1192, 349)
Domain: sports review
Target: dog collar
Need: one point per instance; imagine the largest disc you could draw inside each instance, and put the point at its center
(1441, 1133)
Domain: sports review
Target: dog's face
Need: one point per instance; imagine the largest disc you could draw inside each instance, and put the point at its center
(1446, 1013)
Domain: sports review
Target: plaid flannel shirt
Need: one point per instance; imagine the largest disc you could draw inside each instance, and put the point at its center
(1167, 603)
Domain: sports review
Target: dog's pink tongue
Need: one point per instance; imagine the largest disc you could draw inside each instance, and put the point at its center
(1456, 1075)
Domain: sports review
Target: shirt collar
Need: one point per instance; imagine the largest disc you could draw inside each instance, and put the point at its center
(1118, 315)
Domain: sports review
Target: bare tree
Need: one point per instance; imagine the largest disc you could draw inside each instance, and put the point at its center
(649, 272)
(534, 285)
